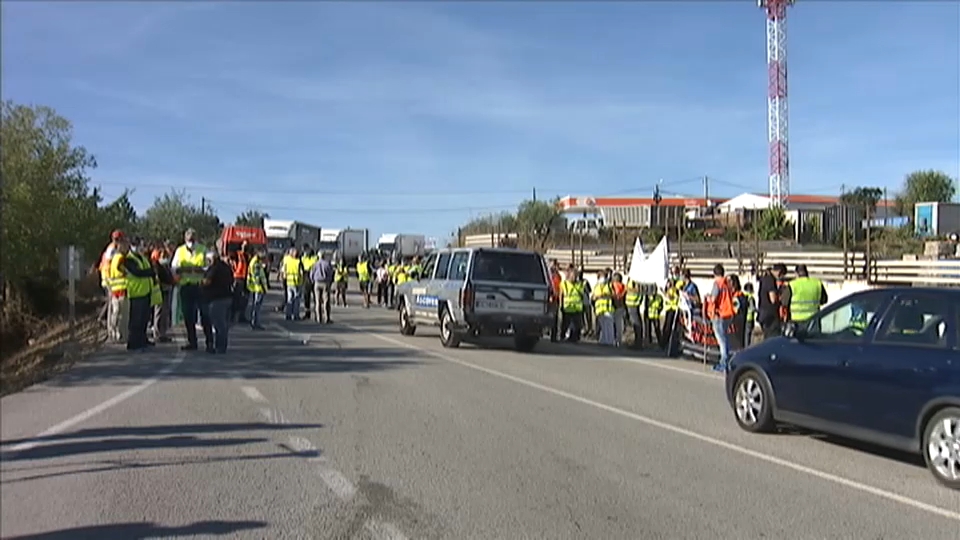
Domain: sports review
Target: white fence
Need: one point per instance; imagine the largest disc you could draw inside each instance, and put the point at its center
(831, 266)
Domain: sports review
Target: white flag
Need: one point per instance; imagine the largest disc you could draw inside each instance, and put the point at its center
(653, 269)
(636, 261)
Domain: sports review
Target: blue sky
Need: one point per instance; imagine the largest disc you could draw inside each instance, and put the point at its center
(411, 117)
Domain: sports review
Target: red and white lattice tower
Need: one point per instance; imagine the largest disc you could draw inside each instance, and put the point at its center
(777, 132)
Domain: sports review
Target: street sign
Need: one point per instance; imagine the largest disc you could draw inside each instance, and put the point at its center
(70, 262)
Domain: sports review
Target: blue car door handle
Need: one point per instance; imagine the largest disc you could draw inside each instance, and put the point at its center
(845, 362)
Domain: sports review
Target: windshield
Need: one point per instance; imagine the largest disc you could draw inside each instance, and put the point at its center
(387, 248)
(280, 244)
(508, 267)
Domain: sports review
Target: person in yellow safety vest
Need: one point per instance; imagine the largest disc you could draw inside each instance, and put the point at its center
(141, 281)
(392, 269)
(103, 268)
(751, 313)
(671, 307)
(188, 265)
(340, 276)
(634, 301)
(654, 306)
(119, 312)
(363, 276)
(571, 306)
(292, 269)
(402, 275)
(257, 285)
(415, 269)
(804, 296)
(308, 259)
(602, 297)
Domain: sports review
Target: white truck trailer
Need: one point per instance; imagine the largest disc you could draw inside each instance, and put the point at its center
(349, 244)
(283, 234)
(402, 245)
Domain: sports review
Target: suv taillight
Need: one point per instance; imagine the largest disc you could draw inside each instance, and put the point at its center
(467, 297)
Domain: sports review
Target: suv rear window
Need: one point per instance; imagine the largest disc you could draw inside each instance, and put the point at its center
(508, 267)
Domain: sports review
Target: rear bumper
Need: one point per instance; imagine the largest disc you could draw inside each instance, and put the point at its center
(521, 324)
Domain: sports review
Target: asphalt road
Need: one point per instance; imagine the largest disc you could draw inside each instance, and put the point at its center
(352, 431)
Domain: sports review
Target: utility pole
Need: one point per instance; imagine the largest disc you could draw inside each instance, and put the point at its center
(534, 194)
(203, 205)
(843, 214)
(706, 191)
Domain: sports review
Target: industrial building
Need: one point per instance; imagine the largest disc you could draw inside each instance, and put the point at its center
(815, 217)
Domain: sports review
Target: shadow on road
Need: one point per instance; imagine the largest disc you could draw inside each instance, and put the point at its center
(137, 531)
(850, 444)
(137, 438)
(254, 354)
(118, 445)
(146, 431)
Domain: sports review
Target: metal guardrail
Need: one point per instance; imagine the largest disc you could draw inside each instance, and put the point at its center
(825, 265)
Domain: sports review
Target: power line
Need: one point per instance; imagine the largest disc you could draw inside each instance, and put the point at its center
(308, 191)
(398, 193)
(217, 204)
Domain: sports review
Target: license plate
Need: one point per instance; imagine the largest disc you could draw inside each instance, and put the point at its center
(489, 304)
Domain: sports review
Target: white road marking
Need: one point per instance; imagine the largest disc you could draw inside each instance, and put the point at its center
(660, 365)
(303, 339)
(383, 531)
(337, 482)
(273, 416)
(253, 394)
(93, 411)
(823, 475)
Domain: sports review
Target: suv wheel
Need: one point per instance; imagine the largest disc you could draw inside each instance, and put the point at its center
(448, 336)
(941, 446)
(407, 328)
(525, 343)
(751, 403)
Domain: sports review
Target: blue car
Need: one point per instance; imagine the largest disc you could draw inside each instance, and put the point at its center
(880, 366)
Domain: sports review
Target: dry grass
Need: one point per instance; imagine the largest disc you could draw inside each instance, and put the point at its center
(50, 353)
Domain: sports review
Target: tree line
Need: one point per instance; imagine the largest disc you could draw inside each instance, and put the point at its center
(48, 202)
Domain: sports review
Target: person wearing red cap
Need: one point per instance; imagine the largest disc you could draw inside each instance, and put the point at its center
(105, 282)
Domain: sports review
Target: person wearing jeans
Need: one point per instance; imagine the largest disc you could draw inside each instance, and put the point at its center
(321, 275)
(720, 310)
(189, 261)
(257, 285)
(218, 294)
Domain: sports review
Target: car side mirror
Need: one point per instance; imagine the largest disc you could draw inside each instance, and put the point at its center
(792, 330)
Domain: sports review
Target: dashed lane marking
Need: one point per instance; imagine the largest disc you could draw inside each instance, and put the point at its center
(342, 487)
(273, 416)
(93, 411)
(253, 394)
(383, 531)
(823, 475)
(336, 481)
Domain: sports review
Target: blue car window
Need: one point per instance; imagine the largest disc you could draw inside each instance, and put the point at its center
(458, 266)
(848, 319)
(917, 320)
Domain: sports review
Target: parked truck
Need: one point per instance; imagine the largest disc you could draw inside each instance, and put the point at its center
(349, 244)
(402, 245)
(284, 234)
(932, 219)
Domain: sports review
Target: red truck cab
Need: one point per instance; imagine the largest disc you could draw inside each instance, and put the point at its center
(233, 236)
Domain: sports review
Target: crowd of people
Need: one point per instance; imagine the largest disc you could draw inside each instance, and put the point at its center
(730, 311)
(217, 287)
(212, 286)
(317, 281)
